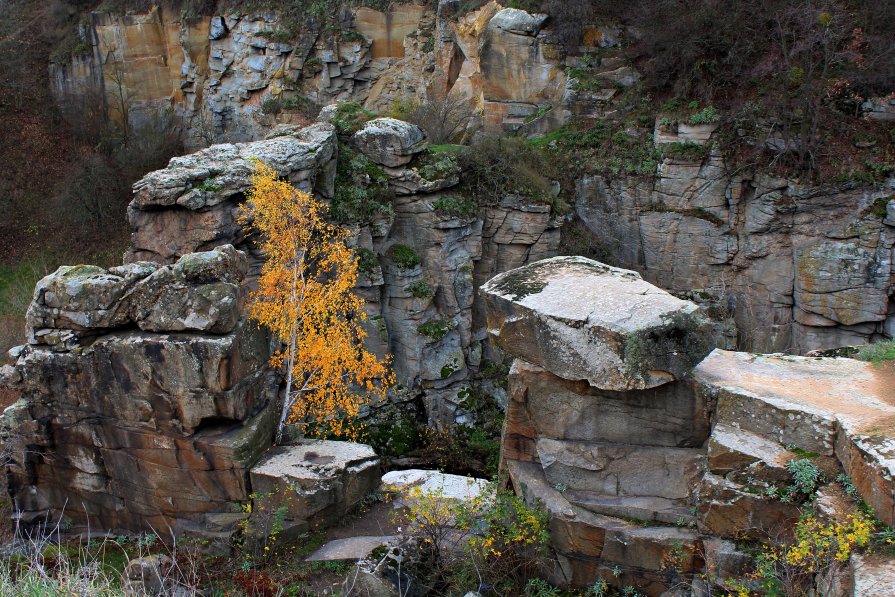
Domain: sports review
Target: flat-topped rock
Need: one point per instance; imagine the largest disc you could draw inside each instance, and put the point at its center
(316, 482)
(389, 141)
(583, 320)
(198, 293)
(831, 406)
(350, 549)
(213, 175)
(451, 487)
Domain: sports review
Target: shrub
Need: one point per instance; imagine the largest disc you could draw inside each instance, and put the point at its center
(444, 118)
(457, 206)
(818, 549)
(494, 167)
(404, 257)
(436, 329)
(686, 151)
(350, 117)
(878, 352)
(366, 261)
(805, 475)
(438, 165)
(453, 544)
(420, 289)
(569, 19)
(362, 190)
(707, 115)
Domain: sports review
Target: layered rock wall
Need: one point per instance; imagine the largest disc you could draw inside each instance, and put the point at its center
(798, 268)
(144, 399)
(700, 459)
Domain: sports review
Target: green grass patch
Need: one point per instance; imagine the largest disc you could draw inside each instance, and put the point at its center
(879, 352)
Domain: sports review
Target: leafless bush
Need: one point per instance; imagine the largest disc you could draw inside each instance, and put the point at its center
(444, 117)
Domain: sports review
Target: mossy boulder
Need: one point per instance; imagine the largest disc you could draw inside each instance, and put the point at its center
(583, 320)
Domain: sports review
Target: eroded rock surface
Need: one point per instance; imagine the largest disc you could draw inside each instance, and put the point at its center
(314, 483)
(581, 319)
(191, 205)
(701, 459)
(144, 399)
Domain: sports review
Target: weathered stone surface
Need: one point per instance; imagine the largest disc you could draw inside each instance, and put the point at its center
(199, 293)
(518, 21)
(349, 549)
(589, 545)
(390, 142)
(727, 510)
(542, 405)
(797, 268)
(140, 429)
(581, 319)
(450, 487)
(620, 469)
(873, 576)
(316, 481)
(731, 449)
(192, 203)
(831, 406)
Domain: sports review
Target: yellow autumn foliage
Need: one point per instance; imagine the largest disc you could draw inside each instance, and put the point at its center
(305, 296)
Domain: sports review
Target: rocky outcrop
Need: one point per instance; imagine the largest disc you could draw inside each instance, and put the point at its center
(798, 268)
(390, 142)
(144, 399)
(700, 459)
(583, 320)
(311, 485)
(192, 204)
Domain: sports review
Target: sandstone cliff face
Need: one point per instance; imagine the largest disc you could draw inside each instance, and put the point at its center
(799, 268)
(436, 337)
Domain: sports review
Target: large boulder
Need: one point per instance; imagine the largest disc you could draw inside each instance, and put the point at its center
(192, 204)
(313, 483)
(198, 293)
(390, 142)
(583, 320)
(833, 407)
(214, 175)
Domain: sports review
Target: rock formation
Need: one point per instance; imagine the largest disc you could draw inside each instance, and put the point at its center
(694, 455)
(797, 268)
(144, 399)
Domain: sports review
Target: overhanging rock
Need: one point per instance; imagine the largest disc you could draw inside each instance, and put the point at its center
(583, 320)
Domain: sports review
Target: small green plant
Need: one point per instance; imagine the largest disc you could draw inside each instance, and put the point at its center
(847, 485)
(362, 190)
(538, 587)
(805, 475)
(366, 261)
(437, 166)
(420, 290)
(208, 185)
(457, 206)
(436, 329)
(560, 487)
(404, 256)
(598, 589)
(686, 151)
(878, 352)
(350, 117)
(280, 36)
(271, 106)
(707, 115)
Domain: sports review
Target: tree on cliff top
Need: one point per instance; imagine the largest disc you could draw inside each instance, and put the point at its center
(305, 297)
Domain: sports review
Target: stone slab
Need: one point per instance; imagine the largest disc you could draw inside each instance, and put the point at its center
(349, 549)
(583, 320)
